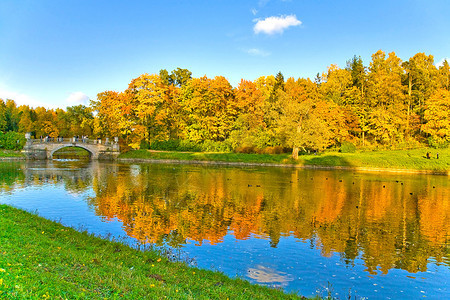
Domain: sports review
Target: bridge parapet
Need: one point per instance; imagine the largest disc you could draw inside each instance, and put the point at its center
(46, 147)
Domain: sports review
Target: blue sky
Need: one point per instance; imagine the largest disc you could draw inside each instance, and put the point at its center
(60, 53)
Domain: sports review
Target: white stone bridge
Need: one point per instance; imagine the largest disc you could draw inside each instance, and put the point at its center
(45, 148)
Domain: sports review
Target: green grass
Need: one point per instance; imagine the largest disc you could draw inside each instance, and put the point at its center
(392, 159)
(10, 153)
(207, 156)
(71, 152)
(41, 259)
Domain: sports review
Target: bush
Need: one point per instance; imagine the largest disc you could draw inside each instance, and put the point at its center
(246, 150)
(347, 147)
(144, 145)
(273, 150)
(212, 146)
(170, 145)
(438, 143)
(190, 146)
(12, 140)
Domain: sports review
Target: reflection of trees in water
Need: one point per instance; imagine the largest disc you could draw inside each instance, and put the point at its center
(385, 223)
(11, 175)
(379, 221)
(76, 176)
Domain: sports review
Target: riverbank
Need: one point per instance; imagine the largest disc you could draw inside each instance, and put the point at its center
(10, 154)
(413, 161)
(41, 259)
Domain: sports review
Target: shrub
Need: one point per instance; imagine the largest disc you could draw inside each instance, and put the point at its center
(213, 146)
(190, 146)
(273, 150)
(144, 145)
(438, 143)
(347, 147)
(247, 150)
(12, 140)
(170, 145)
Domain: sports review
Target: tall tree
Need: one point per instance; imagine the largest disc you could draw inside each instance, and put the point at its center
(444, 75)
(358, 73)
(437, 117)
(386, 93)
(209, 109)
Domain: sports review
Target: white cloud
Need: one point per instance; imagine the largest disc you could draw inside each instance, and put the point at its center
(273, 25)
(441, 62)
(254, 11)
(77, 98)
(21, 99)
(257, 52)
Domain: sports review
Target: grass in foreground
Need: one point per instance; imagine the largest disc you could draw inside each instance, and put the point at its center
(10, 153)
(42, 259)
(397, 159)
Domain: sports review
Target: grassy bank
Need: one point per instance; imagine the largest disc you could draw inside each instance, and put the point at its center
(392, 159)
(10, 153)
(41, 259)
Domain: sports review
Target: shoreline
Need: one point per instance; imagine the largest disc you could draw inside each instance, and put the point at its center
(254, 164)
(42, 258)
(244, 164)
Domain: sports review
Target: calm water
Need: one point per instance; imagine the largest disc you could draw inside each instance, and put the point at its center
(376, 235)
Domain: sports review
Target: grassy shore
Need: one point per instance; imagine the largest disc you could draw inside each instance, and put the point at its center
(41, 259)
(10, 153)
(389, 159)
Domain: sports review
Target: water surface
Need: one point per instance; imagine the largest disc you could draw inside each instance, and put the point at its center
(370, 234)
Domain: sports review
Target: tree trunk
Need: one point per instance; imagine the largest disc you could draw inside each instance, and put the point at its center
(409, 103)
(295, 152)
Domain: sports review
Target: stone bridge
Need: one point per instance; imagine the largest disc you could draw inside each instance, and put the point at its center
(45, 148)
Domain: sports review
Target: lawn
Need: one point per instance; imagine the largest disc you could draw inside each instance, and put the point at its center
(41, 259)
(390, 159)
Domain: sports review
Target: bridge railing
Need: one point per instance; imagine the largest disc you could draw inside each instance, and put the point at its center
(72, 140)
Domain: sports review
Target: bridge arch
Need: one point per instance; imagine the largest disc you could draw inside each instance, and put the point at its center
(93, 154)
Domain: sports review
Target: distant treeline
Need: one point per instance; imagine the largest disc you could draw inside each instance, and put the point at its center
(390, 103)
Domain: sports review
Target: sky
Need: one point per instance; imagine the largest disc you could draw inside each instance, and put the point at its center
(57, 53)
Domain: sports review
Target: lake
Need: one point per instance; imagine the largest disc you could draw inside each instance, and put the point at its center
(373, 235)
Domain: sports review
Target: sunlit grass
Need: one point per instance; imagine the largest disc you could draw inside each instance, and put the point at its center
(41, 259)
(394, 159)
(10, 153)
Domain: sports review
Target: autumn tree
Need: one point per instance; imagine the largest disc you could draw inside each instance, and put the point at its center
(209, 109)
(46, 123)
(437, 117)
(444, 75)
(249, 127)
(307, 122)
(27, 119)
(151, 106)
(386, 97)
